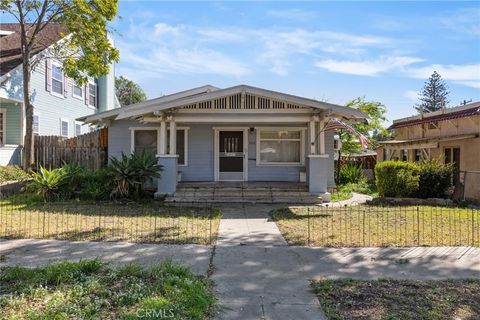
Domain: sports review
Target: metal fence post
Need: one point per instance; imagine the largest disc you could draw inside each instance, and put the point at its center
(418, 226)
(473, 228)
(363, 230)
(308, 226)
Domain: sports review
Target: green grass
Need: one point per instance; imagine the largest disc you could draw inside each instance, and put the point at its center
(11, 173)
(344, 191)
(363, 226)
(91, 289)
(399, 299)
(26, 216)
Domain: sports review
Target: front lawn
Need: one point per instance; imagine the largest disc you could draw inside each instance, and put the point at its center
(12, 173)
(364, 226)
(345, 191)
(91, 289)
(399, 299)
(25, 216)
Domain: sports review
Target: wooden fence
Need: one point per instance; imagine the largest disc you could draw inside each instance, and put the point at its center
(89, 150)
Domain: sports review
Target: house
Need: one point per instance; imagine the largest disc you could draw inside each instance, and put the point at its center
(241, 133)
(57, 100)
(449, 134)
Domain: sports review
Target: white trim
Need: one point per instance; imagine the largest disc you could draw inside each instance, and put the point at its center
(75, 127)
(4, 124)
(216, 152)
(326, 156)
(222, 118)
(185, 142)
(302, 130)
(132, 136)
(87, 92)
(53, 93)
(166, 155)
(81, 89)
(36, 114)
(68, 127)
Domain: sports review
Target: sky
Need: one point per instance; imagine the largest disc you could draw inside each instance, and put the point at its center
(330, 51)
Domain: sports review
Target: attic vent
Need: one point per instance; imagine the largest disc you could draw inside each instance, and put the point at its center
(263, 103)
(190, 106)
(236, 101)
(278, 105)
(205, 105)
(249, 101)
(220, 103)
(292, 106)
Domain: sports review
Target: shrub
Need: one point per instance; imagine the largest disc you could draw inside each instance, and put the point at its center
(96, 185)
(397, 179)
(49, 183)
(130, 173)
(350, 173)
(435, 179)
(10, 173)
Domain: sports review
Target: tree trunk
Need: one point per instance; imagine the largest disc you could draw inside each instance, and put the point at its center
(28, 141)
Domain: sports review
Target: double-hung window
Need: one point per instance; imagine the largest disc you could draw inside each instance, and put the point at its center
(283, 146)
(64, 128)
(78, 128)
(77, 90)
(36, 124)
(57, 79)
(92, 94)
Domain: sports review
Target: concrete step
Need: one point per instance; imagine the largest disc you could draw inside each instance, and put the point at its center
(310, 199)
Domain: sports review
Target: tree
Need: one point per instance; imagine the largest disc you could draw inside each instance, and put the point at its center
(128, 92)
(85, 49)
(434, 94)
(373, 130)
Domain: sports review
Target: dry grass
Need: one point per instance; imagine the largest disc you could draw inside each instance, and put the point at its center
(399, 299)
(360, 226)
(132, 222)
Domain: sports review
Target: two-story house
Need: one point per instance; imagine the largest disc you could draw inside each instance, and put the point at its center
(451, 134)
(57, 100)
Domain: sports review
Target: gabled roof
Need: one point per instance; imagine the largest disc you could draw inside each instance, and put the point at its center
(10, 53)
(207, 93)
(467, 110)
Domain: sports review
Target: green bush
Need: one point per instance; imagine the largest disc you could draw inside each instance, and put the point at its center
(49, 183)
(397, 179)
(435, 179)
(350, 173)
(11, 173)
(96, 185)
(130, 173)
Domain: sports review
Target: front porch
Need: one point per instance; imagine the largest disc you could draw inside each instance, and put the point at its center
(244, 192)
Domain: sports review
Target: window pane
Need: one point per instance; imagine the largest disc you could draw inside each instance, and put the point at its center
(181, 146)
(35, 126)
(57, 73)
(77, 91)
(57, 79)
(57, 86)
(280, 151)
(64, 129)
(92, 91)
(78, 129)
(146, 141)
(280, 134)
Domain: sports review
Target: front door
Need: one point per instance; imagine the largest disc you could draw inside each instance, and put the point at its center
(231, 155)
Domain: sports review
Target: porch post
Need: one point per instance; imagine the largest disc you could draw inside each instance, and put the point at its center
(313, 149)
(318, 164)
(321, 124)
(167, 184)
(173, 136)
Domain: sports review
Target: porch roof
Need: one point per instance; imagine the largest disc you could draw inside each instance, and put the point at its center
(207, 93)
(424, 142)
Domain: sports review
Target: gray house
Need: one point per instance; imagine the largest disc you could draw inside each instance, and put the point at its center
(241, 133)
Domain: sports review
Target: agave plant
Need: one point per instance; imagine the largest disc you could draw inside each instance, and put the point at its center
(130, 172)
(48, 183)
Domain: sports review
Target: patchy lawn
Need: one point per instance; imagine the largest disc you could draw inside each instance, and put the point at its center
(12, 173)
(22, 216)
(91, 289)
(344, 191)
(360, 226)
(399, 299)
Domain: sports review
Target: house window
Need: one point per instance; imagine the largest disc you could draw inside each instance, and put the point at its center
(181, 145)
(78, 129)
(77, 90)
(280, 146)
(64, 128)
(145, 141)
(418, 155)
(57, 79)
(36, 124)
(404, 155)
(3, 118)
(92, 94)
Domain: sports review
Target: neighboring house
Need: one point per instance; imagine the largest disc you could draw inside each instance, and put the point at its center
(57, 100)
(241, 133)
(450, 134)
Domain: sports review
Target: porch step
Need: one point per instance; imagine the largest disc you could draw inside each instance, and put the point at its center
(248, 197)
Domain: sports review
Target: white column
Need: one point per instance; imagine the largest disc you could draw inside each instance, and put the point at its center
(173, 136)
(321, 124)
(162, 139)
(312, 137)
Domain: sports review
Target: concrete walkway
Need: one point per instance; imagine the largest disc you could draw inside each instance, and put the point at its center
(250, 282)
(35, 252)
(356, 199)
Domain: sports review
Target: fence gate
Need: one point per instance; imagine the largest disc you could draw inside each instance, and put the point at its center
(89, 150)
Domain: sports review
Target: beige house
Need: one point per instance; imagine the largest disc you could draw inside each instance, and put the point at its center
(450, 134)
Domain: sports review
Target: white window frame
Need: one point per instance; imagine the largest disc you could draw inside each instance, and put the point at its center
(3, 111)
(68, 127)
(302, 145)
(38, 116)
(82, 91)
(78, 123)
(185, 144)
(53, 93)
(91, 81)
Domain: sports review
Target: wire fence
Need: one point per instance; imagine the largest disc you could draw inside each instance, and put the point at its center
(143, 223)
(377, 226)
